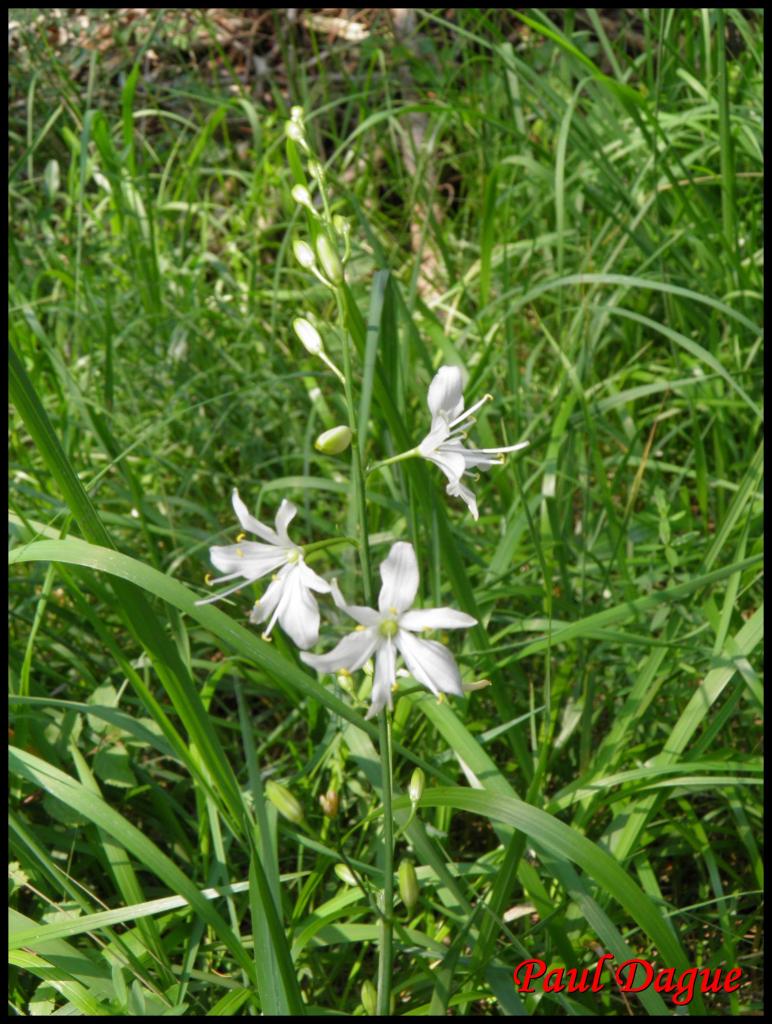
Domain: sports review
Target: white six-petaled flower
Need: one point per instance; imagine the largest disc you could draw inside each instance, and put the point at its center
(289, 598)
(443, 444)
(390, 629)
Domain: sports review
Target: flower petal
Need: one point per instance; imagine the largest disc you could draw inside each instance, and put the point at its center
(384, 679)
(360, 613)
(451, 462)
(250, 559)
(350, 654)
(311, 579)
(298, 610)
(249, 523)
(459, 490)
(287, 512)
(435, 618)
(446, 396)
(437, 435)
(399, 573)
(265, 607)
(430, 663)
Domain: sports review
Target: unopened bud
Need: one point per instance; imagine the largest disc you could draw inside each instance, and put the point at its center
(301, 195)
(416, 787)
(294, 131)
(330, 803)
(333, 441)
(304, 254)
(296, 114)
(408, 884)
(284, 801)
(345, 874)
(341, 225)
(369, 998)
(331, 265)
(308, 334)
(346, 682)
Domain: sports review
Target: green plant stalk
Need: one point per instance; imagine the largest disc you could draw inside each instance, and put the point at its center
(385, 943)
(386, 925)
(357, 475)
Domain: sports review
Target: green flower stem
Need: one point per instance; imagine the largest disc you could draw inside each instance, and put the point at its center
(386, 924)
(322, 545)
(411, 454)
(357, 475)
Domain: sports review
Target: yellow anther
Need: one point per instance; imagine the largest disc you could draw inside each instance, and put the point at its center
(440, 698)
(393, 611)
(359, 629)
(488, 398)
(266, 637)
(394, 686)
(239, 552)
(241, 536)
(343, 672)
(208, 579)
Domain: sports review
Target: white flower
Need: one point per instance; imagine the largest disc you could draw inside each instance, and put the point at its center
(288, 597)
(442, 445)
(390, 629)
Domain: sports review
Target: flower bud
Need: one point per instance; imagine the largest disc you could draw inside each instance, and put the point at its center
(408, 884)
(315, 169)
(416, 787)
(296, 114)
(344, 873)
(294, 131)
(301, 195)
(341, 225)
(284, 801)
(331, 266)
(369, 998)
(308, 334)
(333, 441)
(330, 803)
(304, 254)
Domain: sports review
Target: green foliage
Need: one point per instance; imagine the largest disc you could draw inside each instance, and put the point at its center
(568, 205)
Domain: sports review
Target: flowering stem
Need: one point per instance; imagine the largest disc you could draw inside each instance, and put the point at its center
(411, 454)
(385, 924)
(357, 475)
(322, 545)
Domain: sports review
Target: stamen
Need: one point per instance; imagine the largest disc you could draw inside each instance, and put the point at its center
(470, 410)
(224, 593)
(208, 579)
(509, 448)
(241, 537)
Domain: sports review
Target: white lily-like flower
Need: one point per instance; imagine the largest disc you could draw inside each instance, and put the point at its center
(443, 444)
(289, 598)
(391, 629)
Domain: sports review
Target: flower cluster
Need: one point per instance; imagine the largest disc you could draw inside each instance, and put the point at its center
(390, 629)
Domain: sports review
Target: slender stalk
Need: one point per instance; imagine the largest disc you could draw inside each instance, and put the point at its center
(410, 454)
(357, 474)
(385, 925)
